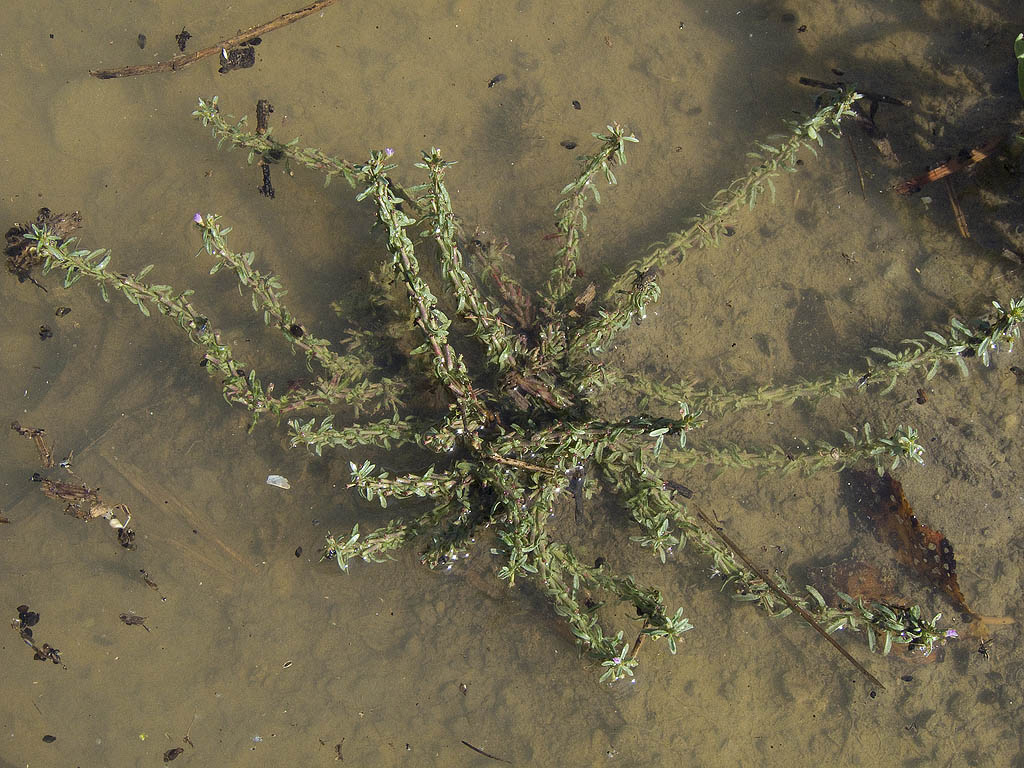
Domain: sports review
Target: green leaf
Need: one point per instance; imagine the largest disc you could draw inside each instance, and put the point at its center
(1018, 51)
(816, 595)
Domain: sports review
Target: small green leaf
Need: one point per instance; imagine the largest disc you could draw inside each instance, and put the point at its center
(1018, 51)
(816, 595)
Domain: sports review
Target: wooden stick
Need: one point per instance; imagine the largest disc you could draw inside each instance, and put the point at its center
(958, 212)
(520, 464)
(639, 640)
(486, 754)
(856, 162)
(799, 610)
(839, 85)
(184, 59)
(154, 491)
(965, 159)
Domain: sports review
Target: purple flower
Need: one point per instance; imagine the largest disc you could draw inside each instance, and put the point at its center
(198, 219)
(952, 633)
(388, 151)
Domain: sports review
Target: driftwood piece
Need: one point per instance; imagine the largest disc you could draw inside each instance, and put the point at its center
(965, 159)
(183, 60)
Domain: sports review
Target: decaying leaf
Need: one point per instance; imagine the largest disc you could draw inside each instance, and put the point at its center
(80, 498)
(927, 551)
(857, 578)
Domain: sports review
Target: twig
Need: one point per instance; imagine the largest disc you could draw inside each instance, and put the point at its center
(856, 162)
(786, 598)
(154, 491)
(639, 639)
(187, 740)
(958, 212)
(965, 159)
(36, 435)
(184, 59)
(485, 754)
(520, 464)
(841, 86)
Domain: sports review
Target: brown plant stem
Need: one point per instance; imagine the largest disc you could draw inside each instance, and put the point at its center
(793, 605)
(182, 60)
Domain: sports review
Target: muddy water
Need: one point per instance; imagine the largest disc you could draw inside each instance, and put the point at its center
(261, 657)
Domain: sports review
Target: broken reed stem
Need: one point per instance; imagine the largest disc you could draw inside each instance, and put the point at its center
(948, 168)
(185, 59)
(958, 212)
(520, 464)
(856, 164)
(793, 605)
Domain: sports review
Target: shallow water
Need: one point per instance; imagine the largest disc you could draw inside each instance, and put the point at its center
(265, 658)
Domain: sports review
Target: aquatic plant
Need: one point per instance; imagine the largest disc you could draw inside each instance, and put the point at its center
(528, 434)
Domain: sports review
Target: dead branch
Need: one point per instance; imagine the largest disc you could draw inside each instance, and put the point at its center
(184, 59)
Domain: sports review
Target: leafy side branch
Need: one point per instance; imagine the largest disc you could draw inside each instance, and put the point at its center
(917, 356)
(626, 299)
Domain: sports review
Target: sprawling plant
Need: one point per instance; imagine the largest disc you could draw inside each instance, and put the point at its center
(527, 434)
